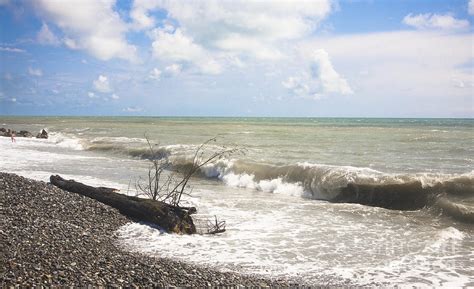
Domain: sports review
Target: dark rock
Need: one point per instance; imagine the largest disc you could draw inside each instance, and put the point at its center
(42, 134)
(25, 133)
(9, 132)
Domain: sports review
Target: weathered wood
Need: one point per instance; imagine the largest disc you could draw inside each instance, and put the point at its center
(406, 196)
(170, 218)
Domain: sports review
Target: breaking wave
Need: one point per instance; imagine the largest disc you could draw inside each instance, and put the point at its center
(319, 181)
(452, 194)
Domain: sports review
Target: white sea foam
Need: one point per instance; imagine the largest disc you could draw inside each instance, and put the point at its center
(122, 140)
(39, 159)
(55, 139)
(440, 263)
(277, 186)
(311, 180)
(66, 141)
(316, 240)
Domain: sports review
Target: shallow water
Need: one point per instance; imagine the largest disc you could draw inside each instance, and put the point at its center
(273, 196)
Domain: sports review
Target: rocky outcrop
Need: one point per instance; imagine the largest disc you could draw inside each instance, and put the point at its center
(6, 132)
(42, 134)
(22, 133)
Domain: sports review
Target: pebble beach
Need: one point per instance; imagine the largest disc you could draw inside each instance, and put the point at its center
(52, 237)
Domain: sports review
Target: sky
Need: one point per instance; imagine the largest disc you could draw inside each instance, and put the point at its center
(320, 58)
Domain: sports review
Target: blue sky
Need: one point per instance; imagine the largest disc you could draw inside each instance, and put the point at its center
(237, 58)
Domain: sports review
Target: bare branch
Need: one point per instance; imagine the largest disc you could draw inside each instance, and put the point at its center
(170, 189)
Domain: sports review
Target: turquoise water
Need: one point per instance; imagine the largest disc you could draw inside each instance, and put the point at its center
(390, 145)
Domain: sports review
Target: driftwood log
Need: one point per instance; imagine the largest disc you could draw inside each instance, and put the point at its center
(168, 217)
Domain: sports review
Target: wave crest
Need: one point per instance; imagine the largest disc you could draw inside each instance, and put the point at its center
(318, 181)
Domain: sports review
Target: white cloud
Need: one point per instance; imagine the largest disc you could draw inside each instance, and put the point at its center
(114, 96)
(71, 43)
(405, 66)
(46, 36)
(323, 72)
(249, 45)
(458, 83)
(91, 94)
(132, 109)
(211, 31)
(13, 99)
(10, 49)
(175, 46)
(470, 7)
(321, 80)
(435, 21)
(90, 25)
(101, 84)
(173, 69)
(155, 74)
(139, 13)
(298, 85)
(35, 71)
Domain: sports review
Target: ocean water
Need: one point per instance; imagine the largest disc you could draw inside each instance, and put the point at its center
(277, 193)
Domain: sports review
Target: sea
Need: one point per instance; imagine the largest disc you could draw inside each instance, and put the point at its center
(277, 192)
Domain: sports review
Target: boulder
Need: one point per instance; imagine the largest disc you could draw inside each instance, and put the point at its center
(24, 133)
(42, 134)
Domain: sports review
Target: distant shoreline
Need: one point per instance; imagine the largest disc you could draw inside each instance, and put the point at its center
(236, 117)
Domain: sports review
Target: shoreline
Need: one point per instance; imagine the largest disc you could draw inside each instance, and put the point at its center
(52, 237)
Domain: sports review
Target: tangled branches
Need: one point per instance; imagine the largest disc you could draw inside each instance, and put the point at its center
(170, 187)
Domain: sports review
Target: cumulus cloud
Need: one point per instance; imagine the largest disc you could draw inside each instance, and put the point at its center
(140, 16)
(470, 7)
(101, 84)
(173, 69)
(408, 67)
(176, 46)
(321, 80)
(209, 31)
(114, 96)
(298, 85)
(91, 94)
(435, 21)
(35, 71)
(46, 36)
(155, 74)
(12, 49)
(324, 73)
(90, 25)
